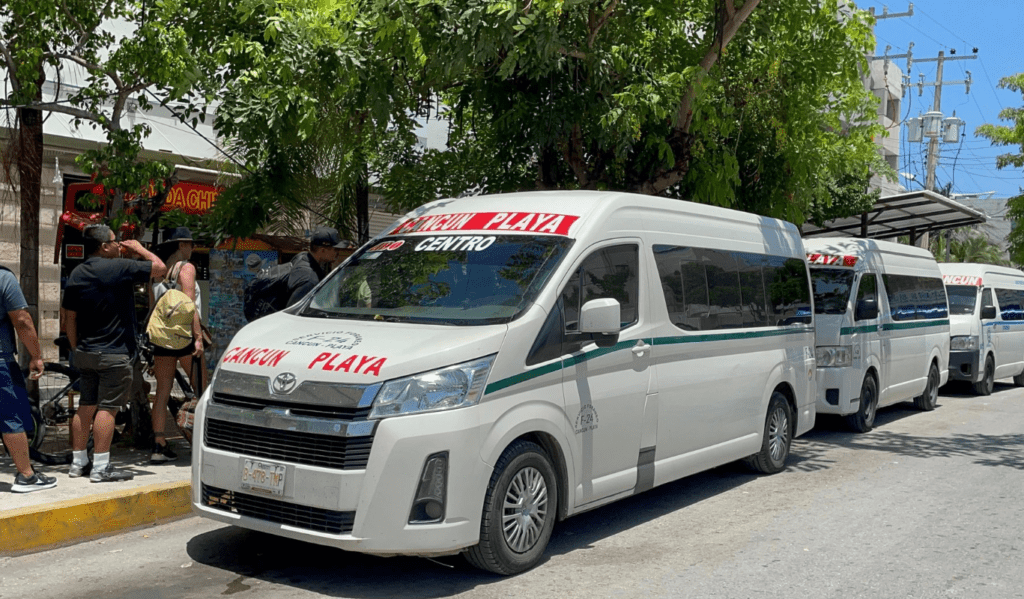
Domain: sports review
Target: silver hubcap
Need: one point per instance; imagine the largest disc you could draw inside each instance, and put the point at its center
(525, 510)
(778, 434)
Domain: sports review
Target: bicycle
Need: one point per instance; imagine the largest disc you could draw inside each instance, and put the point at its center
(53, 408)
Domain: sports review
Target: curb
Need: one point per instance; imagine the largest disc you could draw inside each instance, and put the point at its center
(41, 527)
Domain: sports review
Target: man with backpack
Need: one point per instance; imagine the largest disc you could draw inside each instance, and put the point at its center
(278, 287)
(99, 300)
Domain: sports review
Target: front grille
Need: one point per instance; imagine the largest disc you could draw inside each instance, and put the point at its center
(346, 453)
(297, 409)
(280, 512)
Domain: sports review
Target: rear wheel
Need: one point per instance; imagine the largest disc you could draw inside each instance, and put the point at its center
(984, 386)
(930, 398)
(519, 511)
(777, 439)
(863, 419)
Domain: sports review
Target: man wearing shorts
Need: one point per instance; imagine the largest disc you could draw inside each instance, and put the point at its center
(99, 300)
(15, 412)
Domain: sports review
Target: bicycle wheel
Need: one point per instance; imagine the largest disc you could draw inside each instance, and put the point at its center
(50, 442)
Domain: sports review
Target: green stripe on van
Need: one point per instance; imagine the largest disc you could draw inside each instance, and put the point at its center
(867, 328)
(622, 345)
(899, 326)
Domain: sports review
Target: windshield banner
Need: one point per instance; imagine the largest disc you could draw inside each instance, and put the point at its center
(525, 222)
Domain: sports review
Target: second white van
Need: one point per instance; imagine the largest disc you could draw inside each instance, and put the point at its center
(986, 313)
(881, 327)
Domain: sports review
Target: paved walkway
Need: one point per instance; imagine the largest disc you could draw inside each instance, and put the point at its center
(76, 509)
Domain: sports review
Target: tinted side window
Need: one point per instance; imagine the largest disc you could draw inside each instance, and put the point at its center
(610, 272)
(712, 289)
(1011, 303)
(868, 289)
(915, 298)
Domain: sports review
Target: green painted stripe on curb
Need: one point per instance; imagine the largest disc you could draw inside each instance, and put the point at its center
(40, 527)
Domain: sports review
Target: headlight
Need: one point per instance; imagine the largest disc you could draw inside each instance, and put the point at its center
(963, 342)
(836, 356)
(444, 389)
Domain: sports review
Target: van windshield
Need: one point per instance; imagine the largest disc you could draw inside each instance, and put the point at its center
(831, 289)
(962, 299)
(442, 279)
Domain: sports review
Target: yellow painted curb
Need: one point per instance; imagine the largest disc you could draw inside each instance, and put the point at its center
(44, 526)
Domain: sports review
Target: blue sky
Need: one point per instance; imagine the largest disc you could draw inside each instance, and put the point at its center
(996, 29)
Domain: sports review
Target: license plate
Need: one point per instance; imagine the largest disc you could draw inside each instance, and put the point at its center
(263, 477)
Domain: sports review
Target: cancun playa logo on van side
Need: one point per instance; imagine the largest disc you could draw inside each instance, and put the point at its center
(526, 222)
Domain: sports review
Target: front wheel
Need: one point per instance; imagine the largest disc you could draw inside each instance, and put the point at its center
(778, 437)
(984, 386)
(863, 420)
(930, 398)
(519, 511)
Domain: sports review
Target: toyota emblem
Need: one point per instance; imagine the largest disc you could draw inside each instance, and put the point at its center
(283, 384)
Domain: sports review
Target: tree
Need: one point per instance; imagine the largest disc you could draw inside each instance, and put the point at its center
(125, 54)
(967, 245)
(1010, 135)
(754, 105)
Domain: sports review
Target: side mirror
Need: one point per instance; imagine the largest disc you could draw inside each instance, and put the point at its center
(867, 309)
(602, 319)
(988, 313)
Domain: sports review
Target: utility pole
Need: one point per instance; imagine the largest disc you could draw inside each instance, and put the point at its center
(936, 112)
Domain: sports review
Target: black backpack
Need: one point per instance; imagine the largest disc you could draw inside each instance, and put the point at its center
(267, 292)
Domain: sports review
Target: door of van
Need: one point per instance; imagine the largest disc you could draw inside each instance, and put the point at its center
(605, 388)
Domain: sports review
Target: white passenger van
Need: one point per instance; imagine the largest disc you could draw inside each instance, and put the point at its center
(986, 313)
(494, 364)
(881, 327)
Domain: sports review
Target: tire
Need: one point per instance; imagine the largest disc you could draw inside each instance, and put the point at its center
(777, 439)
(519, 511)
(930, 398)
(1018, 381)
(863, 420)
(984, 386)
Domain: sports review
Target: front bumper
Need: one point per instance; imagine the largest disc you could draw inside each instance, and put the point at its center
(838, 390)
(965, 366)
(364, 509)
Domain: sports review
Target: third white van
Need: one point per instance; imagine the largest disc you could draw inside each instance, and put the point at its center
(881, 327)
(986, 313)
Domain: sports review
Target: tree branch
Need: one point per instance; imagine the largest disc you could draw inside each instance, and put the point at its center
(65, 109)
(596, 27)
(11, 67)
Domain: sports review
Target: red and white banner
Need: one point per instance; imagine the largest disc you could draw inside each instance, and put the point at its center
(524, 222)
(962, 280)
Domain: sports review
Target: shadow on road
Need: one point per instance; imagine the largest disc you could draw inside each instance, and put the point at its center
(257, 557)
(332, 572)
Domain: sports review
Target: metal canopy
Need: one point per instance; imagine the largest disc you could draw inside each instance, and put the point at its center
(911, 213)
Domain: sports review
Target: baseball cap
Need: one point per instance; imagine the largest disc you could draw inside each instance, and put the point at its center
(326, 236)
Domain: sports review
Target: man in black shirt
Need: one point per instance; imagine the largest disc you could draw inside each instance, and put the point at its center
(309, 268)
(99, 300)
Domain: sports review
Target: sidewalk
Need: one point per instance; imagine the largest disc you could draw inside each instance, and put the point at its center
(77, 510)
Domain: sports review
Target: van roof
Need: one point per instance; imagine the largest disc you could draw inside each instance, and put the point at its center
(563, 212)
(854, 246)
(978, 270)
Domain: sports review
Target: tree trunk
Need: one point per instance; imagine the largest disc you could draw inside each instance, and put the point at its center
(30, 172)
(363, 207)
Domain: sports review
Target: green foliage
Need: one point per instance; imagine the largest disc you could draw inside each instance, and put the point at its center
(146, 58)
(1011, 135)
(545, 94)
(967, 245)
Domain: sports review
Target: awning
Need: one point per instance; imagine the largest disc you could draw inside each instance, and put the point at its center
(911, 213)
